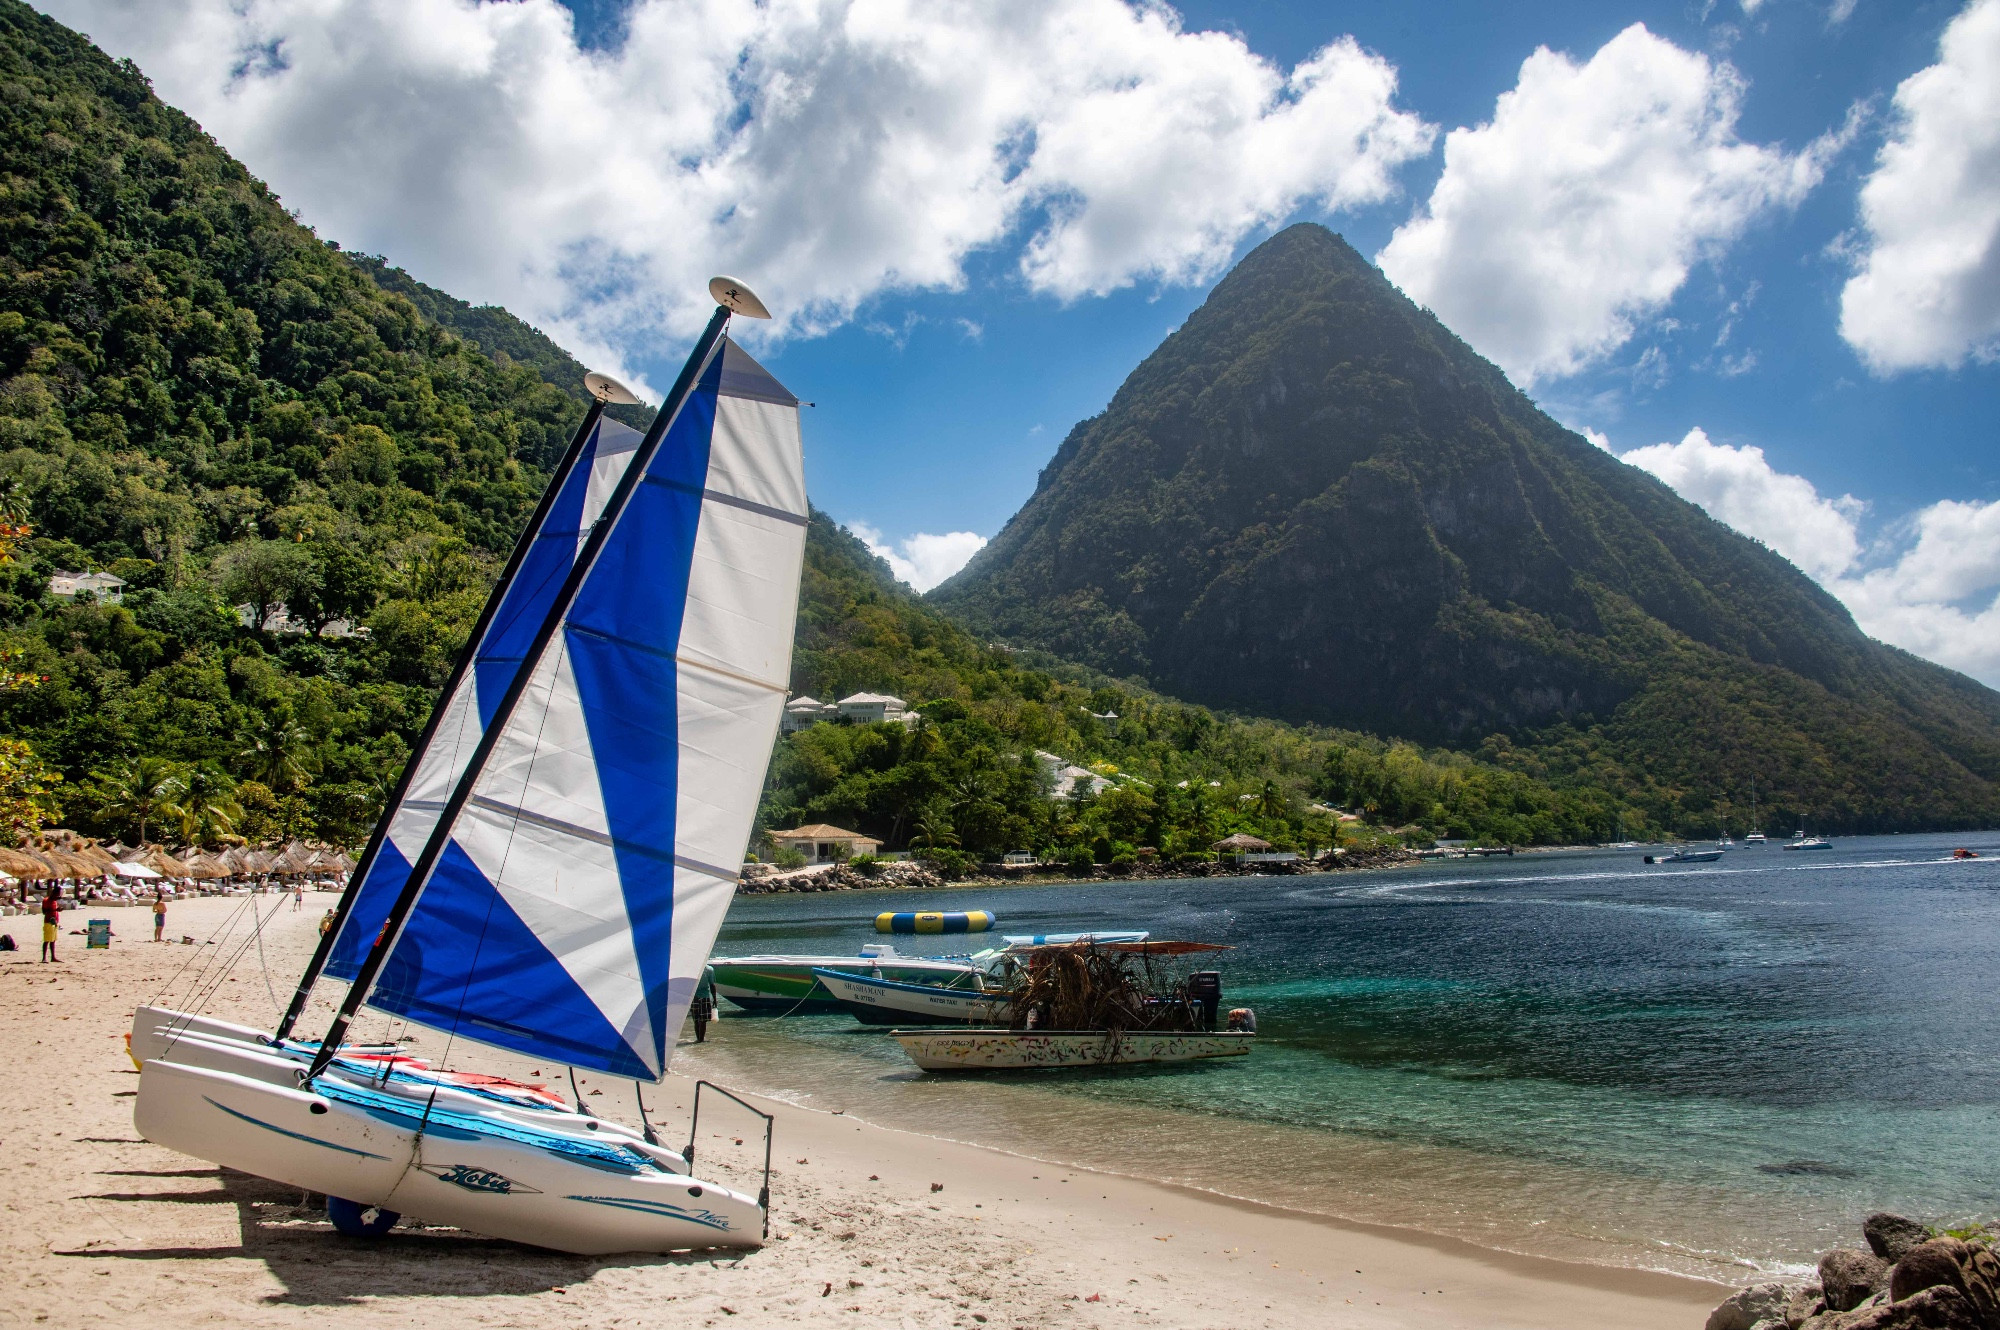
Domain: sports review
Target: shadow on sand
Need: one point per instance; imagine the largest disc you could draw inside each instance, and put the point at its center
(288, 1232)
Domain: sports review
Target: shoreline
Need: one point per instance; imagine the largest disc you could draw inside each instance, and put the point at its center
(857, 1231)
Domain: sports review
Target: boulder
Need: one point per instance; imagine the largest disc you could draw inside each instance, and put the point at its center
(1747, 1307)
(1848, 1276)
(1937, 1308)
(1970, 1268)
(1890, 1236)
(1806, 1301)
(1931, 1264)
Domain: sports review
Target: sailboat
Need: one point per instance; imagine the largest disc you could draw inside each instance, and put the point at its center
(551, 871)
(1755, 836)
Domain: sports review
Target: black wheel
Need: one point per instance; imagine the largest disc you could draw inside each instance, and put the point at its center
(360, 1221)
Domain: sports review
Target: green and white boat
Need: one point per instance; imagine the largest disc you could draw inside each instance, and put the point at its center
(784, 985)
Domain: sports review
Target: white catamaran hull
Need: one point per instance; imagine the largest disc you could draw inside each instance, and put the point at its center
(1027, 1050)
(489, 1173)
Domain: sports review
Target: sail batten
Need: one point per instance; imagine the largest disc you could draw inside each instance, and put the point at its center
(584, 863)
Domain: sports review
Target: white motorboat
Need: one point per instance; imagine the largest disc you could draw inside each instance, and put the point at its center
(785, 985)
(1685, 854)
(552, 868)
(1046, 1050)
(886, 1002)
(1805, 842)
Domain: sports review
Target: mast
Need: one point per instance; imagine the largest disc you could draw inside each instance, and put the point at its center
(730, 296)
(603, 390)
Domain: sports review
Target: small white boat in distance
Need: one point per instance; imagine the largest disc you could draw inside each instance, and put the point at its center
(1805, 842)
(886, 1002)
(1047, 1050)
(1686, 855)
(1754, 838)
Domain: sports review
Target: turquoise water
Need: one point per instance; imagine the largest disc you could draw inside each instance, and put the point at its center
(1692, 1067)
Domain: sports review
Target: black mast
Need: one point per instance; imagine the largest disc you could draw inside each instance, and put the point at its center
(426, 863)
(359, 874)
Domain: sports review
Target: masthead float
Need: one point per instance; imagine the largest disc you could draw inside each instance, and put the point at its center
(551, 870)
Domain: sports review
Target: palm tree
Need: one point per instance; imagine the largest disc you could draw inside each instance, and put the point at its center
(1271, 803)
(934, 830)
(207, 806)
(142, 790)
(277, 755)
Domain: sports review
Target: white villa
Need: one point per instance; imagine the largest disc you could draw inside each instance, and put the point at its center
(101, 586)
(1065, 777)
(856, 709)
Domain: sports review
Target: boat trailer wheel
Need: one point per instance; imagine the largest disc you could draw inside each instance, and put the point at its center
(359, 1221)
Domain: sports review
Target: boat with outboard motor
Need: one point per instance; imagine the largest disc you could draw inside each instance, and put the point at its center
(1686, 854)
(787, 985)
(1801, 841)
(874, 1001)
(1090, 1004)
(552, 867)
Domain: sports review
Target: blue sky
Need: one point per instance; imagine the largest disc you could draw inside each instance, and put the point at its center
(1752, 247)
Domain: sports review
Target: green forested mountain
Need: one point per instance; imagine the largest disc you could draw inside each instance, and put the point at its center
(200, 397)
(1314, 502)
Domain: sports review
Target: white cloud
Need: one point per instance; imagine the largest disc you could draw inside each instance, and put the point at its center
(922, 560)
(1927, 289)
(1575, 214)
(822, 150)
(1738, 486)
(1931, 586)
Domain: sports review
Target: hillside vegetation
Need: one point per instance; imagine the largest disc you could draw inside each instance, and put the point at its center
(1314, 502)
(199, 396)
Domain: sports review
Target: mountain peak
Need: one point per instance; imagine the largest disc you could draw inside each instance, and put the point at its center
(1313, 501)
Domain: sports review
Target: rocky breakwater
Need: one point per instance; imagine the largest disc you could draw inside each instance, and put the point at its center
(1909, 1277)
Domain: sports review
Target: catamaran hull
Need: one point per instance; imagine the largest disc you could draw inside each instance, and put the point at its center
(505, 1182)
(884, 1002)
(1033, 1050)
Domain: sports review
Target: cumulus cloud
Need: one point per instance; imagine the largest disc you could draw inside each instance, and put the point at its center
(1926, 291)
(925, 559)
(1576, 212)
(823, 150)
(1930, 586)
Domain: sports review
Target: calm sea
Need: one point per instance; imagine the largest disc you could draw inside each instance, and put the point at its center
(1694, 1068)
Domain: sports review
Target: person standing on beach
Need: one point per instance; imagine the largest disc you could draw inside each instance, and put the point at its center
(159, 914)
(298, 897)
(51, 922)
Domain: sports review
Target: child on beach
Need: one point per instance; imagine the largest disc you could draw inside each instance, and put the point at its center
(159, 915)
(51, 922)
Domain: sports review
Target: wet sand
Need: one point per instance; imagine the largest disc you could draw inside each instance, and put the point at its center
(106, 1229)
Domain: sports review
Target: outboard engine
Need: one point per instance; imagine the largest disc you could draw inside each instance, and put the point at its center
(1205, 987)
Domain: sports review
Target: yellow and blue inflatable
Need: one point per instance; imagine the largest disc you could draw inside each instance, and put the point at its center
(934, 921)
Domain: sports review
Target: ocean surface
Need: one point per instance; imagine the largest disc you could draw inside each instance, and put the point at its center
(1700, 1068)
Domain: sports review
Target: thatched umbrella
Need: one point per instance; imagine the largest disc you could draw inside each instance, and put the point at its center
(25, 864)
(296, 859)
(161, 862)
(206, 867)
(93, 853)
(1241, 843)
(237, 860)
(67, 865)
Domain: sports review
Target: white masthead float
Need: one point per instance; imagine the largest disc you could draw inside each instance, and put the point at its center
(552, 869)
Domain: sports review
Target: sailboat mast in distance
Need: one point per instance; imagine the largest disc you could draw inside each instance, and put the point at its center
(566, 901)
(588, 468)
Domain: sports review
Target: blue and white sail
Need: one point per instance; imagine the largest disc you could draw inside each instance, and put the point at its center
(525, 602)
(571, 913)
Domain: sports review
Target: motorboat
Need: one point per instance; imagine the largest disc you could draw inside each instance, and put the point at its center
(1801, 841)
(786, 985)
(874, 1001)
(1686, 855)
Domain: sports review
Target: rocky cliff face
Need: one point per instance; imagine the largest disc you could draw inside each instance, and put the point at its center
(1314, 502)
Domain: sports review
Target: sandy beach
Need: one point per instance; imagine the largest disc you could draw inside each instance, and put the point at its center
(870, 1226)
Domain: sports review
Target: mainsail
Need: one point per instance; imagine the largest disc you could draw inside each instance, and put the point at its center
(468, 708)
(570, 913)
